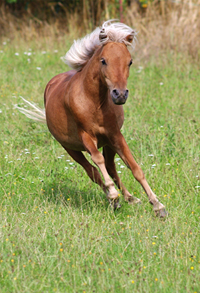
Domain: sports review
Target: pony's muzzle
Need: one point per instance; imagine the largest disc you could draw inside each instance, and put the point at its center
(119, 97)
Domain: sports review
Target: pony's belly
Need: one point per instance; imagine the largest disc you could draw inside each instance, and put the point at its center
(72, 145)
(68, 139)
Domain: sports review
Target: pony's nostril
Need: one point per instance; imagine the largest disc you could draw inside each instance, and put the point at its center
(126, 94)
(115, 93)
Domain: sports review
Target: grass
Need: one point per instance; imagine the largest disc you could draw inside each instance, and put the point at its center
(57, 232)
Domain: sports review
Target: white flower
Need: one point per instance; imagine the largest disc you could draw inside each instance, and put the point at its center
(16, 54)
(38, 68)
(117, 159)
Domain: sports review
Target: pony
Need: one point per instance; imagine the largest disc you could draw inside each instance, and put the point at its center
(84, 112)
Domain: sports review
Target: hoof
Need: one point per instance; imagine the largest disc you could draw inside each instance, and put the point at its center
(115, 203)
(133, 200)
(161, 213)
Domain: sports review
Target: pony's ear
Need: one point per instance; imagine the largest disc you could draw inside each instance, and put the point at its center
(130, 38)
(102, 35)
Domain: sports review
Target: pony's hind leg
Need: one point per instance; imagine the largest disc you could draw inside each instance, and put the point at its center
(92, 172)
(109, 155)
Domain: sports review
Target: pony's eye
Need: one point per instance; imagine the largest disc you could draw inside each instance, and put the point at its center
(130, 63)
(103, 61)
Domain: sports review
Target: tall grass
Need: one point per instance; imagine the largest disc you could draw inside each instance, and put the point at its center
(163, 25)
(57, 232)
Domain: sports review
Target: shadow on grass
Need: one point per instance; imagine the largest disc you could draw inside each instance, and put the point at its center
(76, 196)
(87, 199)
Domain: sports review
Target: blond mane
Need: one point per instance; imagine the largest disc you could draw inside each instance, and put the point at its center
(82, 49)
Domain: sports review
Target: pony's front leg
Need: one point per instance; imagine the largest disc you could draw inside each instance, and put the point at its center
(121, 147)
(109, 155)
(90, 145)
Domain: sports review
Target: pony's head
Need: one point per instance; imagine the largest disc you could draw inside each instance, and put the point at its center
(110, 31)
(115, 61)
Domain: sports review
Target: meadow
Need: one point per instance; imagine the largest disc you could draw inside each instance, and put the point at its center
(57, 231)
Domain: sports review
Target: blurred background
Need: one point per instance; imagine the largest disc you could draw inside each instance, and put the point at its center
(162, 25)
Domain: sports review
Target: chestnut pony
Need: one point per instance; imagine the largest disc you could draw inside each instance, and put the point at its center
(84, 108)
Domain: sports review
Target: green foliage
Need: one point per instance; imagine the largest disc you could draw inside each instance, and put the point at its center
(57, 231)
(11, 1)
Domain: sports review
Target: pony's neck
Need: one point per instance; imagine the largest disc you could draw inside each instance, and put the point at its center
(94, 84)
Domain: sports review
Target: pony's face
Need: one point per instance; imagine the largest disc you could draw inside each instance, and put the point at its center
(115, 61)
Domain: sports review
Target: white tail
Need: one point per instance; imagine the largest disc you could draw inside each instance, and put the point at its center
(36, 113)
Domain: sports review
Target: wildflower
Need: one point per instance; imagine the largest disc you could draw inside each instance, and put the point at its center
(38, 68)
(61, 249)
(192, 268)
(153, 243)
(156, 279)
(132, 282)
(12, 260)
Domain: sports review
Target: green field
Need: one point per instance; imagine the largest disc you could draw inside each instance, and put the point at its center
(57, 231)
